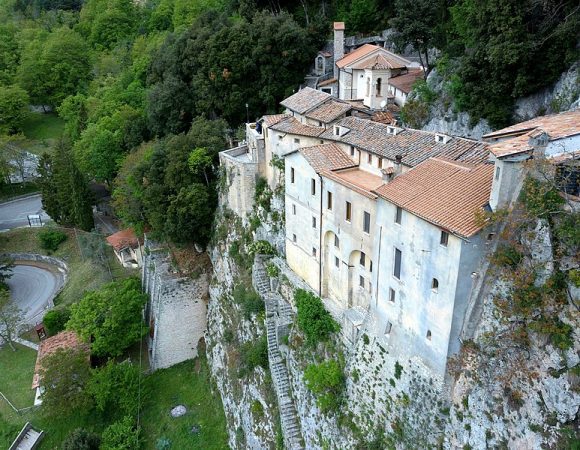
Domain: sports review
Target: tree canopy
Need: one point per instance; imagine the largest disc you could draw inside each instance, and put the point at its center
(110, 318)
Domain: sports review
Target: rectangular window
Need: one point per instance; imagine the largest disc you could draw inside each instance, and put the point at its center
(380, 163)
(388, 328)
(370, 158)
(313, 252)
(348, 211)
(313, 186)
(370, 266)
(352, 150)
(363, 259)
(336, 241)
(336, 261)
(397, 267)
(280, 137)
(329, 200)
(361, 281)
(313, 222)
(291, 174)
(497, 173)
(296, 141)
(366, 222)
(392, 295)
(398, 215)
(294, 238)
(444, 238)
(294, 210)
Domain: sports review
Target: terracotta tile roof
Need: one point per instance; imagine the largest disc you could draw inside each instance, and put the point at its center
(123, 239)
(326, 156)
(327, 82)
(515, 139)
(386, 117)
(339, 25)
(358, 180)
(63, 340)
(367, 50)
(380, 62)
(443, 192)
(405, 82)
(305, 99)
(329, 111)
(273, 119)
(293, 126)
(416, 146)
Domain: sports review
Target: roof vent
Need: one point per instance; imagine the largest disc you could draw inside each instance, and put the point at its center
(442, 138)
(393, 130)
(340, 131)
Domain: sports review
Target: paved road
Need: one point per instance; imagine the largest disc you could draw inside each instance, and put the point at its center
(14, 214)
(32, 289)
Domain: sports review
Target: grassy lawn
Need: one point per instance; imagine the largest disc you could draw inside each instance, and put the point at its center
(16, 374)
(186, 384)
(39, 127)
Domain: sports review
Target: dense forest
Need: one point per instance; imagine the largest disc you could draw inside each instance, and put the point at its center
(150, 91)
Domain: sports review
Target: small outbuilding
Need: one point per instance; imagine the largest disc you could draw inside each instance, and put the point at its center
(62, 340)
(127, 247)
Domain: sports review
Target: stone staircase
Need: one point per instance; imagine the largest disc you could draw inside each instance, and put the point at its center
(278, 314)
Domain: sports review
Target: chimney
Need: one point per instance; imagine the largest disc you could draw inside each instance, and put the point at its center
(398, 165)
(338, 44)
(387, 174)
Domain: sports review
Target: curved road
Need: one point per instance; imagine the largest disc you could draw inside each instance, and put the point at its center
(32, 289)
(15, 213)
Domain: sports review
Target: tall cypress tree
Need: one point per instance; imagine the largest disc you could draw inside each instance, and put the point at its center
(65, 193)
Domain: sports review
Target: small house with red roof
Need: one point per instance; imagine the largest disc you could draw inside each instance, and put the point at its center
(127, 247)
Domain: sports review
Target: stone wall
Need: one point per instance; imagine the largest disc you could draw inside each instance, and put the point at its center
(176, 311)
(240, 176)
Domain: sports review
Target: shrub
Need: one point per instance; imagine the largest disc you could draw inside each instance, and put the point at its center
(326, 381)
(507, 256)
(398, 370)
(261, 248)
(248, 299)
(540, 199)
(313, 319)
(257, 408)
(51, 238)
(272, 270)
(55, 320)
(574, 276)
(560, 333)
(252, 355)
(121, 435)
(81, 439)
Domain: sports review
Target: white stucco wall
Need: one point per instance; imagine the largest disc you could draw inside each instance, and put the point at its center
(342, 284)
(298, 195)
(417, 308)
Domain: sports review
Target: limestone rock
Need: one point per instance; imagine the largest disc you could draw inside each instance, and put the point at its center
(178, 411)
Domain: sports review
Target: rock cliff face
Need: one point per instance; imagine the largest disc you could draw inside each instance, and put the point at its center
(561, 96)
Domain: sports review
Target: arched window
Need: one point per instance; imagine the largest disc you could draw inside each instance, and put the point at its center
(428, 335)
(435, 284)
(379, 82)
(368, 87)
(320, 64)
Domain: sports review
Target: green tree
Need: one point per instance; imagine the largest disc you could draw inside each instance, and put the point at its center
(55, 320)
(55, 66)
(106, 22)
(121, 435)
(416, 24)
(326, 381)
(110, 318)
(13, 108)
(500, 43)
(64, 375)
(11, 318)
(313, 319)
(218, 65)
(200, 163)
(9, 53)
(65, 193)
(81, 439)
(115, 389)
